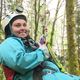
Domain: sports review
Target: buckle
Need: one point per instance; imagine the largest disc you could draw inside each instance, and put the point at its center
(48, 72)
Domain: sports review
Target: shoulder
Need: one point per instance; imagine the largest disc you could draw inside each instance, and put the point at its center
(12, 42)
(13, 39)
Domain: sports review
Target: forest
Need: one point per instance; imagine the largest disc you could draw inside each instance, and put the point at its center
(58, 20)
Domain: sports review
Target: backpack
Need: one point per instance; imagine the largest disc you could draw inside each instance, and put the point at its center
(9, 73)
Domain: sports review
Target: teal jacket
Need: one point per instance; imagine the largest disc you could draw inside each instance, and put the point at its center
(20, 58)
(17, 56)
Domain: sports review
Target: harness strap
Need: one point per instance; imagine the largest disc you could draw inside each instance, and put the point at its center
(37, 74)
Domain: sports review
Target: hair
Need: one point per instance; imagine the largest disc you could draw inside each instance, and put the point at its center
(7, 30)
(18, 17)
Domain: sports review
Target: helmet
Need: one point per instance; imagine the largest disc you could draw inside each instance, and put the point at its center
(8, 18)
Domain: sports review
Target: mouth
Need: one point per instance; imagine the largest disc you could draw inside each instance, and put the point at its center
(22, 33)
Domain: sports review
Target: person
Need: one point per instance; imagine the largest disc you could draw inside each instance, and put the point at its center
(22, 58)
(14, 50)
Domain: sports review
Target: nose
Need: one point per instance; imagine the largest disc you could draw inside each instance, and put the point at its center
(23, 28)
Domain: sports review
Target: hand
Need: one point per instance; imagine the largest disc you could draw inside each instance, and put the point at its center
(45, 50)
(42, 40)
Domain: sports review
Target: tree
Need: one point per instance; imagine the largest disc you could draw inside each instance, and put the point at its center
(1, 19)
(0, 11)
(1, 71)
(59, 4)
(78, 29)
(70, 24)
(37, 10)
(38, 16)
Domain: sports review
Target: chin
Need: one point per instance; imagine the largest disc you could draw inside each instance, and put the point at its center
(23, 37)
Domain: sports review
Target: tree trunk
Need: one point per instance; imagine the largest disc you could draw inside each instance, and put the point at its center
(55, 18)
(72, 53)
(78, 29)
(37, 10)
(0, 18)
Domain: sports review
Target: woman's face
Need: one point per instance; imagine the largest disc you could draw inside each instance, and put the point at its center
(20, 28)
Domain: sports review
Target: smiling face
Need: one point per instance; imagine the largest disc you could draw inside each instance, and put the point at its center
(20, 28)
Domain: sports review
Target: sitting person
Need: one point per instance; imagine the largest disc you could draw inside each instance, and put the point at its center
(22, 58)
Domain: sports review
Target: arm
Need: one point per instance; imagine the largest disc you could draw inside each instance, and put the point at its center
(14, 56)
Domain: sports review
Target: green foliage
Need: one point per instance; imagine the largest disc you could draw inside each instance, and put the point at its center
(12, 4)
(55, 58)
(2, 77)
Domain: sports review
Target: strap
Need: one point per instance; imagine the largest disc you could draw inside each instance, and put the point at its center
(50, 68)
(37, 74)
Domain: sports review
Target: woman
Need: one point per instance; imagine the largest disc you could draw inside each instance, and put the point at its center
(21, 56)
(15, 51)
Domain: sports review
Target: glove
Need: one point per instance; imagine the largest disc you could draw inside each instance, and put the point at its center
(45, 50)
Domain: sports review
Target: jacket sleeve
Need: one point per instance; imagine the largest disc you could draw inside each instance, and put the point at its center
(13, 55)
